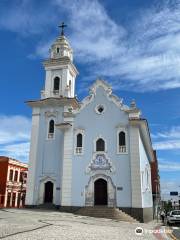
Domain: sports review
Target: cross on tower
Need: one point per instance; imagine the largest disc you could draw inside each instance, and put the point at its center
(62, 26)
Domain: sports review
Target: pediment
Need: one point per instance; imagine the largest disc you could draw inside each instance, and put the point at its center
(100, 83)
(108, 91)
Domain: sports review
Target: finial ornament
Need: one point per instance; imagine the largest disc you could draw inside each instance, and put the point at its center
(133, 104)
(62, 26)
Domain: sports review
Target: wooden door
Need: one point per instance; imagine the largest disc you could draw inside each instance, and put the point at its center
(100, 192)
(48, 196)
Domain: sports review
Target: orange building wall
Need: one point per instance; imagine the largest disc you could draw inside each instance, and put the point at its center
(3, 174)
(12, 192)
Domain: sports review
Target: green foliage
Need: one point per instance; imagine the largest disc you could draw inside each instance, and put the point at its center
(167, 206)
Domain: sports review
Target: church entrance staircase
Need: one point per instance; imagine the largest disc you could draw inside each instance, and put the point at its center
(105, 212)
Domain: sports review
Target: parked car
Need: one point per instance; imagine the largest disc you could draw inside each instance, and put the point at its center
(173, 217)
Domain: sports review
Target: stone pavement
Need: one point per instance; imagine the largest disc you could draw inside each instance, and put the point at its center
(37, 224)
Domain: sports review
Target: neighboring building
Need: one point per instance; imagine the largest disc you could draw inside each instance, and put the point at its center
(155, 181)
(13, 175)
(94, 152)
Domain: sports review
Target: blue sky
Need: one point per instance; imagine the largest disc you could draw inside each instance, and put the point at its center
(132, 44)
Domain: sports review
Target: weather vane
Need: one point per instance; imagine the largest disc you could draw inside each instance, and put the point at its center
(62, 26)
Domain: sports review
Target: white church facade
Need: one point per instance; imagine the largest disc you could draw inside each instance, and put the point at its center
(94, 152)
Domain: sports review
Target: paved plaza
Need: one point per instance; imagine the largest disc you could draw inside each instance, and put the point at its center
(43, 224)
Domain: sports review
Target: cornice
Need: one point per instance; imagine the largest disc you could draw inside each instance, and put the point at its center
(17, 163)
(61, 101)
(58, 63)
(64, 125)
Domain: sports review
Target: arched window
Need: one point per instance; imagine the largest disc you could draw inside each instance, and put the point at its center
(122, 139)
(11, 175)
(16, 176)
(51, 129)
(79, 140)
(122, 142)
(51, 126)
(56, 84)
(100, 145)
(79, 143)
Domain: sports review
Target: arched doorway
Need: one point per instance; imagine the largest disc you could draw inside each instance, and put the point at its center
(100, 192)
(48, 195)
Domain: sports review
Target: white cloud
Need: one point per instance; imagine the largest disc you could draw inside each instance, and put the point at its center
(167, 140)
(25, 17)
(169, 166)
(15, 136)
(19, 151)
(167, 145)
(174, 132)
(95, 35)
(147, 60)
(14, 129)
(143, 55)
(168, 186)
(42, 50)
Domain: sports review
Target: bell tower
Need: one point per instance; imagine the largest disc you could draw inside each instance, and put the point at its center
(60, 70)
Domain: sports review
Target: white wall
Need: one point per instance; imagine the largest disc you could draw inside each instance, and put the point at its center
(105, 125)
(45, 156)
(145, 183)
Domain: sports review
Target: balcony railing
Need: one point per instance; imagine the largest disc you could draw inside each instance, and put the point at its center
(50, 135)
(122, 149)
(78, 150)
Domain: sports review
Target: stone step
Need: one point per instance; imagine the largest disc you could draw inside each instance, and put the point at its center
(47, 206)
(105, 212)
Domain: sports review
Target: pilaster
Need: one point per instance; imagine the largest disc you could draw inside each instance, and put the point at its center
(66, 188)
(135, 167)
(31, 181)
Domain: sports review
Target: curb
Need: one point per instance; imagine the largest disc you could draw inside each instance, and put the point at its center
(172, 236)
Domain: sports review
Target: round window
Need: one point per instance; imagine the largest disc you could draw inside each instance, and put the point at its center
(100, 109)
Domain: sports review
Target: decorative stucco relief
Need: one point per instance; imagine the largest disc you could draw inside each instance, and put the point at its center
(49, 114)
(100, 161)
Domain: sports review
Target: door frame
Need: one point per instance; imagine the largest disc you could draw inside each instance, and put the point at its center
(111, 190)
(40, 197)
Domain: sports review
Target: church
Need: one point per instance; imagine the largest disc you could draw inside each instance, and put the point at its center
(89, 153)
